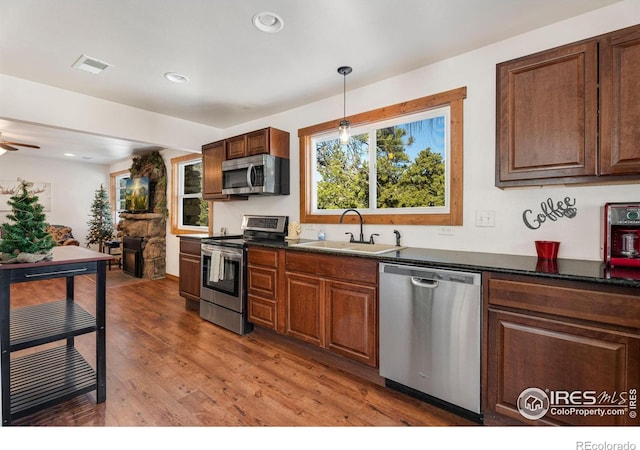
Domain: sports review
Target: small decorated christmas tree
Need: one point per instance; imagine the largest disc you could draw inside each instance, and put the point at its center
(28, 234)
(100, 225)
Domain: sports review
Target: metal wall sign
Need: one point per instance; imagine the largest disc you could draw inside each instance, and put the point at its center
(550, 210)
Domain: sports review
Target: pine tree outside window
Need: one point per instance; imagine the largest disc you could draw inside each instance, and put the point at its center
(395, 167)
(402, 165)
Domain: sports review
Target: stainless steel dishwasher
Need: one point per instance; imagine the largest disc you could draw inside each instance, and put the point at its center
(430, 334)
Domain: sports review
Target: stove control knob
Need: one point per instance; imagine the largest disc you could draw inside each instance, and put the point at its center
(633, 215)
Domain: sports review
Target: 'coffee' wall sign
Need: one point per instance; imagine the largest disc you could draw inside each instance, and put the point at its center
(550, 210)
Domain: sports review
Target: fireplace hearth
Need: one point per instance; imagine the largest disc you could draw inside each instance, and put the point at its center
(143, 244)
(132, 262)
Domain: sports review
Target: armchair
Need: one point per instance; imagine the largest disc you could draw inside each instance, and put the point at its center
(62, 235)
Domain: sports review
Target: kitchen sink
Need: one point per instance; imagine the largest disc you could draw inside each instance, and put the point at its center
(349, 247)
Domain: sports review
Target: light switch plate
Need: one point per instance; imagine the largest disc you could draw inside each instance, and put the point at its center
(449, 231)
(485, 218)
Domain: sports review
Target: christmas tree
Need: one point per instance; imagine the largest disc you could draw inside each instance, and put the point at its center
(28, 233)
(100, 225)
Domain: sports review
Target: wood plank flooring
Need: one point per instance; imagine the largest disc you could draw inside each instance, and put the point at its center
(167, 367)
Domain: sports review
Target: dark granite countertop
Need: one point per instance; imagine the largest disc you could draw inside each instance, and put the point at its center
(564, 269)
(193, 236)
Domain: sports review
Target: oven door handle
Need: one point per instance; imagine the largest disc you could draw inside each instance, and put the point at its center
(228, 255)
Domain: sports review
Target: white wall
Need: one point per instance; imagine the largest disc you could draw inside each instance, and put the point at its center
(73, 187)
(579, 237)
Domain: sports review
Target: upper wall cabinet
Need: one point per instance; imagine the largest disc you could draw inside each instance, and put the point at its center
(266, 141)
(620, 102)
(213, 155)
(548, 126)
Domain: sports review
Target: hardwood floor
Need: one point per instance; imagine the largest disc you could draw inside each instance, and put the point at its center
(167, 367)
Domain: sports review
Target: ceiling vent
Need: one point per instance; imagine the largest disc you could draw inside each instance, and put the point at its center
(91, 65)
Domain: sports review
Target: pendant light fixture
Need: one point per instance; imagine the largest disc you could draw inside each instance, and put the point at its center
(345, 125)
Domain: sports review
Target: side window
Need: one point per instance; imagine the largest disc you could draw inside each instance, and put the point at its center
(189, 212)
(118, 185)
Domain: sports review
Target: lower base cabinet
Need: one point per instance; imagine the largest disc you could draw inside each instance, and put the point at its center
(324, 300)
(189, 267)
(548, 366)
(264, 288)
(331, 302)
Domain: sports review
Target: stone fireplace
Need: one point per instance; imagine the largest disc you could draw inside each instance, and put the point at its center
(146, 234)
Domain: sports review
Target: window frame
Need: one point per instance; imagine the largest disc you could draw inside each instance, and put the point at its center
(113, 193)
(176, 227)
(453, 99)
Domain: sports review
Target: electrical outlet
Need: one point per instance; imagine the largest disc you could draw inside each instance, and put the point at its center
(446, 230)
(485, 218)
(309, 226)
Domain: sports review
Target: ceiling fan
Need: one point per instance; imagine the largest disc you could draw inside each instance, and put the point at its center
(8, 145)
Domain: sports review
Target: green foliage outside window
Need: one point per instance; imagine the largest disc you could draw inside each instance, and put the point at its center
(405, 177)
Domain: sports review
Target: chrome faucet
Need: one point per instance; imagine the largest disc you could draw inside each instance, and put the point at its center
(361, 241)
(397, 233)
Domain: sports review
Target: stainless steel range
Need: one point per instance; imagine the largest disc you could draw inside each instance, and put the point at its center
(223, 290)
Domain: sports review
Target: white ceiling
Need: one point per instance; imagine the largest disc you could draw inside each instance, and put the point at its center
(236, 72)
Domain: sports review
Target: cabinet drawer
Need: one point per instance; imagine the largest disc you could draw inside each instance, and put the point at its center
(357, 269)
(575, 300)
(262, 312)
(190, 246)
(263, 257)
(262, 282)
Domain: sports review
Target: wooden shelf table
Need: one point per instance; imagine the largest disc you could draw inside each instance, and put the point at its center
(46, 377)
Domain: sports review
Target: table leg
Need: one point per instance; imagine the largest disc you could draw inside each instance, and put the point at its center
(101, 341)
(5, 303)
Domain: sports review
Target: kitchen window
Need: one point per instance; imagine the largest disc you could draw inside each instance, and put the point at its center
(189, 212)
(402, 165)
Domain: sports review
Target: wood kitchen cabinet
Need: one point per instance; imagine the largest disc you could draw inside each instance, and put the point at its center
(189, 266)
(264, 288)
(212, 157)
(236, 147)
(568, 115)
(620, 102)
(560, 337)
(265, 141)
(331, 302)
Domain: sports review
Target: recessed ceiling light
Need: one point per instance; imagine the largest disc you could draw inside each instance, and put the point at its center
(175, 77)
(268, 22)
(70, 155)
(91, 65)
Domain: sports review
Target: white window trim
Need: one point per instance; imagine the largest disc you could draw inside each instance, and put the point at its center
(177, 168)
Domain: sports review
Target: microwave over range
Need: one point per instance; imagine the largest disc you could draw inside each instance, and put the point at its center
(258, 174)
